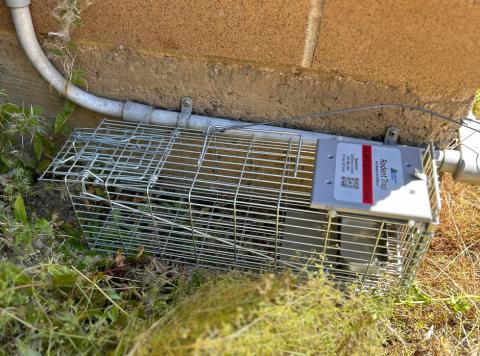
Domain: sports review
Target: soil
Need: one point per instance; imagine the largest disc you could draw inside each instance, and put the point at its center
(52, 203)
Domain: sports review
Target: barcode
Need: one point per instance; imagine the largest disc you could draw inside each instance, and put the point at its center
(350, 182)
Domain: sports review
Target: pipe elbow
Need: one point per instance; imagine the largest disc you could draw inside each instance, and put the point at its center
(468, 170)
(448, 160)
(28, 40)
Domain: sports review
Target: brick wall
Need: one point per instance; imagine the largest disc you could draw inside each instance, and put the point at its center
(260, 60)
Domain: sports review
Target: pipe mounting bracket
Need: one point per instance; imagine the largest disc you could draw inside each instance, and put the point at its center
(391, 136)
(185, 112)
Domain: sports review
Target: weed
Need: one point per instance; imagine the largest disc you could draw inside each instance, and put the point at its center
(25, 148)
(17, 181)
(60, 47)
(61, 125)
(67, 13)
(476, 104)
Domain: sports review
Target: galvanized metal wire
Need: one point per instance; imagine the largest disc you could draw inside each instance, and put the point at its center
(225, 200)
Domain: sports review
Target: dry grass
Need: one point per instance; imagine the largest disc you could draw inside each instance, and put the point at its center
(59, 45)
(67, 13)
(444, 314)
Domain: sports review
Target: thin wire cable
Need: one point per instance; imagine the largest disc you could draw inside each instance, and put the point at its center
(350, 110)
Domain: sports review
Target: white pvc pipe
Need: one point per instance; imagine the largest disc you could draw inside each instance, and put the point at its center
(199, 122)
(135, 112)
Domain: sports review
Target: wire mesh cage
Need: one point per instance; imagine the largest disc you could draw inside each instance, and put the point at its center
(227, 200)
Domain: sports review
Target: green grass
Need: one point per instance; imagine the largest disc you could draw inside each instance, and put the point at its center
(56, 296)
(54, 308)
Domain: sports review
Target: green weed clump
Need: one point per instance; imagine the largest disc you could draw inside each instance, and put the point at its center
(24, 146)
(237, 314)
(57, 309)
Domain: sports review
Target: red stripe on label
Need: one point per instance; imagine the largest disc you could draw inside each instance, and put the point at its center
(367, 181)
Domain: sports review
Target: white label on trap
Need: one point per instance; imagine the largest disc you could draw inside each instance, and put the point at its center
(365, 173)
